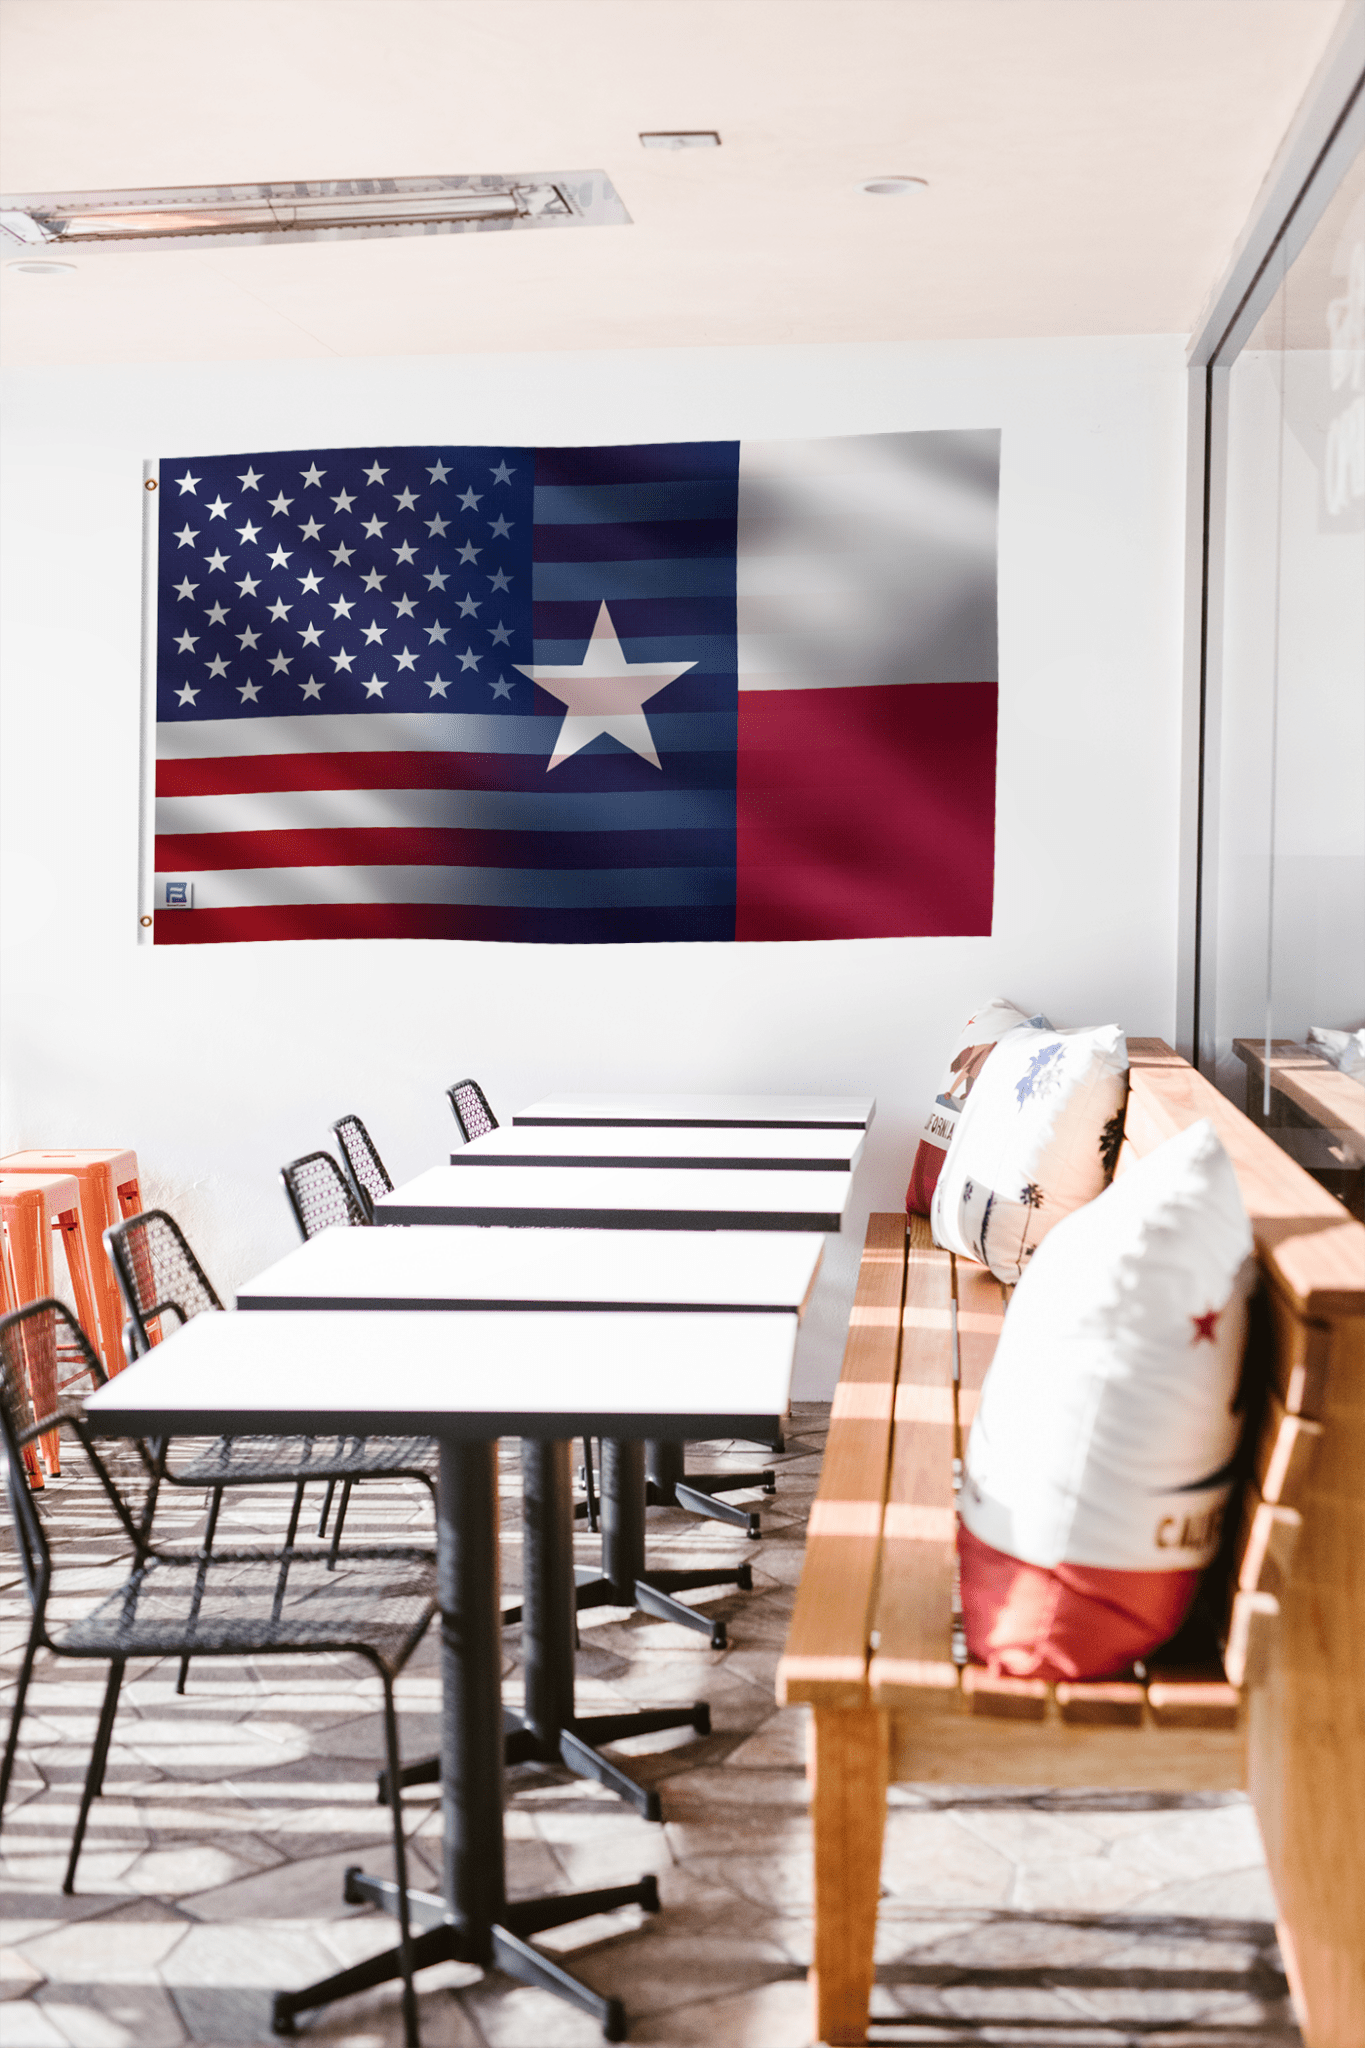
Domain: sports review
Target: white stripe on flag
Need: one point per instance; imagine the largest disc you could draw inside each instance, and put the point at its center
(515, 888)
(867, 559)
(470, 810)
(374, 732)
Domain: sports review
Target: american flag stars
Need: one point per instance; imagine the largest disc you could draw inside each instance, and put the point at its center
(339, 559)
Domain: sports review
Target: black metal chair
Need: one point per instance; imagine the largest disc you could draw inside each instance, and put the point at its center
(160, 1277)
(238, 1603)
(369, 1175)
(469, 1105)
(320, 1194)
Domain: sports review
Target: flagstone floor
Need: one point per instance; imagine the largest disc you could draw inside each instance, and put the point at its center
(212, 1870)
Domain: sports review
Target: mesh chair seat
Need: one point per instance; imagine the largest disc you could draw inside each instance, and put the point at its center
(250, 1602)
(271, 1460)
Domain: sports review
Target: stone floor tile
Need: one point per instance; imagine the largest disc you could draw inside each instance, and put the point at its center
(115, 2016)
(18, 1976)
(704, 1789)
(655, 1970)
(933, 1859)
(772, 2016)
(306, 1888)
(114, 1950)
(258, 1955)
(1240, 1894)
(172, 1873)
(779, 1744)
(27, 2025)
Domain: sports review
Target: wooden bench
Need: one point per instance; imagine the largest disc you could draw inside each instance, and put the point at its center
(1314, 1099)
(1277, 1707)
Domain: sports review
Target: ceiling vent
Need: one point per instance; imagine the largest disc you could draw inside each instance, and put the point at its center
(337, 210)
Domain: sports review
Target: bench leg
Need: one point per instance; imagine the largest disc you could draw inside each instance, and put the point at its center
(847, 1766)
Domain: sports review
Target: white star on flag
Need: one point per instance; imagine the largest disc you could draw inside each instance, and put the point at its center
(605, 693)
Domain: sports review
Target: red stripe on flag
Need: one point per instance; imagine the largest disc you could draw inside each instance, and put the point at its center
(866, 813)
(431, 921)
(248, 774)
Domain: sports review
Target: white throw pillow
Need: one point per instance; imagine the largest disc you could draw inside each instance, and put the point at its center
(1039, 1134)
(1345, 1049)
(1106, 1427)
(969, 1054)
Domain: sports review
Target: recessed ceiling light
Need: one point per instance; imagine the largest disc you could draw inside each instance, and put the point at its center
(43, 269)
(893, 188)
(680, 138)
(337, 210)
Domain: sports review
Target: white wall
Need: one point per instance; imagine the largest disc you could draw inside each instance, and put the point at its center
(219, 1062)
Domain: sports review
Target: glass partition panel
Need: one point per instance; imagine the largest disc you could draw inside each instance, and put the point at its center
(1288, 877)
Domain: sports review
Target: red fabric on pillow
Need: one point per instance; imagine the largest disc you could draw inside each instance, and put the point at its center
(1071, 1621)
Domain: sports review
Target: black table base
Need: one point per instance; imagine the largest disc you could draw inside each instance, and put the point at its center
(472, 1920)
(437, 1939)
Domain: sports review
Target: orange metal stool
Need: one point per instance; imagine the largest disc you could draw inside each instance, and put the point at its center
(32, 1206)
(108, 1182)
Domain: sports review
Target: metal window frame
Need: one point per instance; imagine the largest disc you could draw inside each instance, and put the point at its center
(1327, 134)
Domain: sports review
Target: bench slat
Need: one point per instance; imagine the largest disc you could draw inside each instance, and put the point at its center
(913, 1615)
(981, 1304)
(825, 1661)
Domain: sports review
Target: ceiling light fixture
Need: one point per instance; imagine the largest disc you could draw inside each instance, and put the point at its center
(333, 210)
(893, 188)
(679, 138)
(43, 269)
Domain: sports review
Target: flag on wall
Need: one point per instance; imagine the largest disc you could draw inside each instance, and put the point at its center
(700, 690)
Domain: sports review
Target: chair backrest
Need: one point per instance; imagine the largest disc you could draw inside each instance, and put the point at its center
(157, 1273)
(368, 1171)
(472, 1113)
(30, 1341)
(319, 1195)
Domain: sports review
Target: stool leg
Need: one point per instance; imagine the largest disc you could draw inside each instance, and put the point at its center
(71, 1223)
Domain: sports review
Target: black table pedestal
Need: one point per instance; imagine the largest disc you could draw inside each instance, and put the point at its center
(471, 1921)
(625, 1580)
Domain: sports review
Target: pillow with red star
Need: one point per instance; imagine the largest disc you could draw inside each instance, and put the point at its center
(1104, 1450)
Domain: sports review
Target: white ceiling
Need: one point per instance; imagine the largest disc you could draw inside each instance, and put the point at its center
(1090, 165)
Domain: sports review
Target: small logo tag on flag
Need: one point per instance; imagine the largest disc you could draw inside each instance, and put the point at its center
(176, 896)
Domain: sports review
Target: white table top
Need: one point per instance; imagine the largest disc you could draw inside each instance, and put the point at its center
(777, 1150)
(620, 1198)
(471, 1377)
(464, 1268)
(720, 1112)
